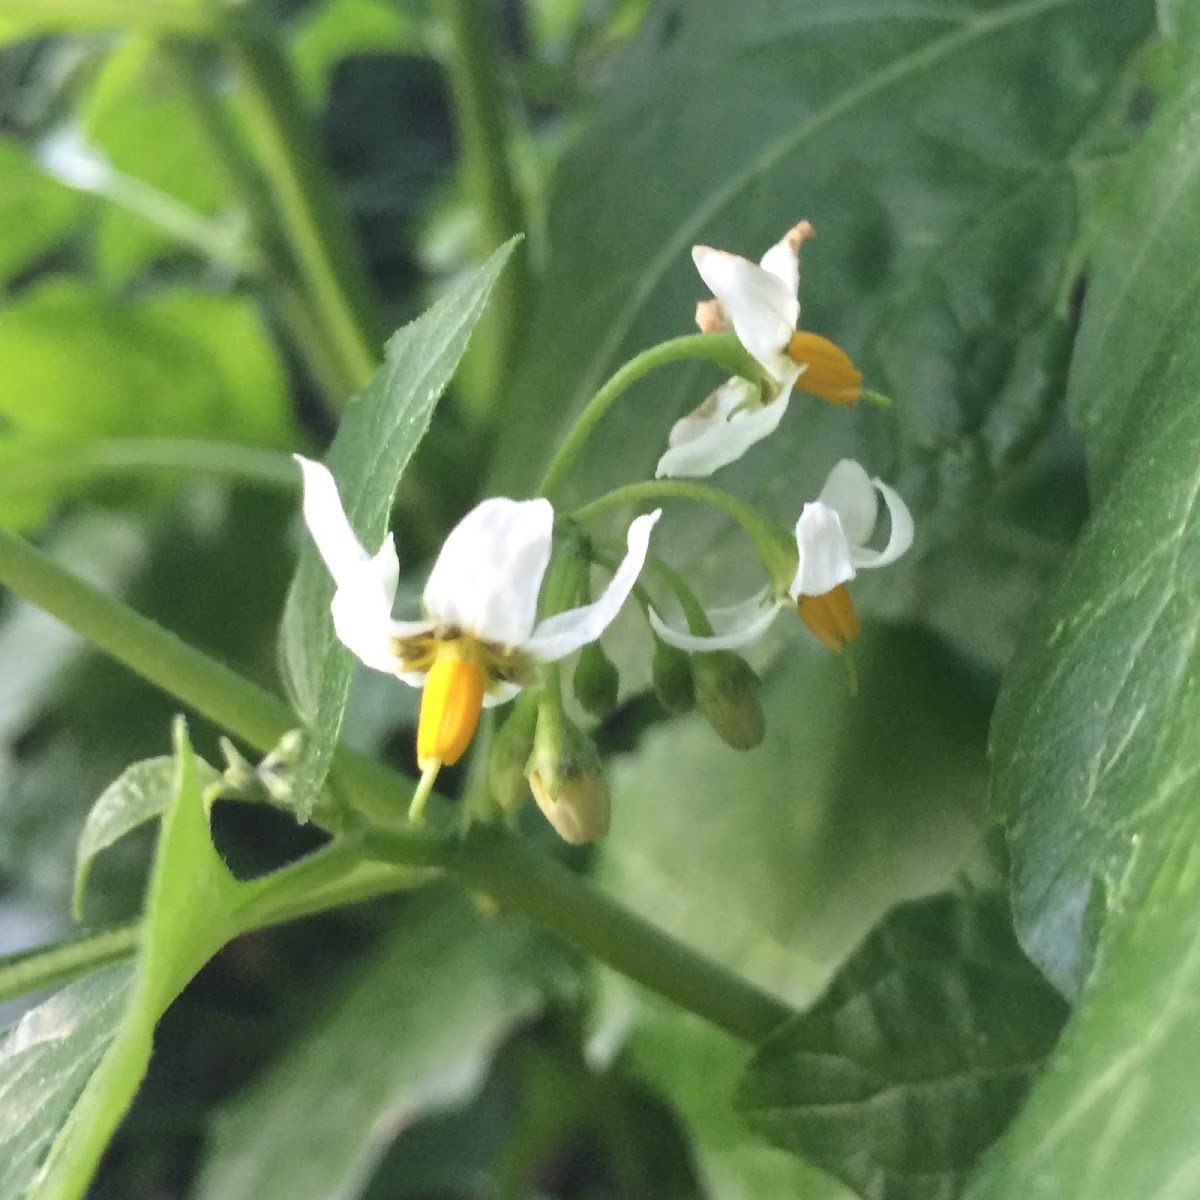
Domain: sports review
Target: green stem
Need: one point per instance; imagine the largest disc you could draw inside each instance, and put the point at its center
(52, 465)
(505, 866)
(52, 966)
(774, 547)
(486, 858)
(480, 109)
(324, 252)
(721, 348)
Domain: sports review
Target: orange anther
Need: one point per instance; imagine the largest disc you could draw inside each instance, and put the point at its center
(450, 706)
(831, 617)
(830, 375)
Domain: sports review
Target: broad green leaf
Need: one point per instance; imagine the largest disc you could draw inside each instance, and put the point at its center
(696, 1068)
(934, 150)
(414, 1034)
(36, 213)
(776, 861)
(46, 1059)
(378, 435)
(78, 362)
(1095, 737)
(917, 1056)
(142, 793)
(189, 915)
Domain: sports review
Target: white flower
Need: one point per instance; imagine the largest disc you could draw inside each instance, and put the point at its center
(479, 641)
(760, 303)
(832, 538)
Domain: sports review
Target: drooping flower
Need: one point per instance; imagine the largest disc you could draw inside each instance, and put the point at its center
(832, 537)
(479, 640)
(759, 302)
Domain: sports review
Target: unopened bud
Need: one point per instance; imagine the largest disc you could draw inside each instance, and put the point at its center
(567, 780)
(671, 674)
(727, 696)
(508, 755)
(596, 681)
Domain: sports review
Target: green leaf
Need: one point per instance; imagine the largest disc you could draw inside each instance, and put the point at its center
(916, 1058)
(776, 861)
(189, 915)
(414, 1033)
(1095, 735)
(78, 362)
(142, 793)
(378, 435)
(46, 1059)
(944, 194)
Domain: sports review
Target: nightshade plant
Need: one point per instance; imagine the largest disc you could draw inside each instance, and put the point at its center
(897, 902)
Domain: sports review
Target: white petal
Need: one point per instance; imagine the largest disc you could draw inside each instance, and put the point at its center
(762, 309)
(366, 629)
(501, 693)
(850, 493)
(336, 542)
(823, 550)
(756, 615)
(719, 439)
(900, 539)
(489, 571)
(783, 261)
(564, 632)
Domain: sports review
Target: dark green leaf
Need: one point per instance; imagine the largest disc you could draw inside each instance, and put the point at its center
(378, 435)
(414, 1034)
(46, 1058)
(917, 1056)
(142, 793)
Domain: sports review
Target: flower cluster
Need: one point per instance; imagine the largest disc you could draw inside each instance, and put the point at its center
(479, 640)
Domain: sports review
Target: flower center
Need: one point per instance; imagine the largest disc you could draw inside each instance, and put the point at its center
(830, 616)
(830, 375)
(450, 705)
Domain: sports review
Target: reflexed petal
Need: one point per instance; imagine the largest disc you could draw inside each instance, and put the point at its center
(735, 626)
(489, 571)
(850, 493)
(900, 539)
(365, 627)
(783, 258)
(762, 309)
(823, 550)
(701, 444)
(564, 632)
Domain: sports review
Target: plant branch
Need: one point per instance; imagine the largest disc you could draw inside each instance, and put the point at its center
(52, 966)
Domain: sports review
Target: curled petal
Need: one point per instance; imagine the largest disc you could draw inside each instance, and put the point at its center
(721, 430)
(900, 539)
(559, 635)
(850, 493)
(734, 626)
(824, 552)
(488, 574)
(500, 693)
(783, 258)
(762, 309)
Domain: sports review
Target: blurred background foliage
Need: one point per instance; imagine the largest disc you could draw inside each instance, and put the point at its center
(166, 331)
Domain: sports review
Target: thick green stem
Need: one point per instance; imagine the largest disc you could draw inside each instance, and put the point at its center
(52, 966)
(480, 111)
(381, 861)
(721, 348)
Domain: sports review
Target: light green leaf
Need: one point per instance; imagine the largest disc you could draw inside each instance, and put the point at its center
(1096, 753)
(945, 200)
(776, 861)
(78, 362)
(36, 213)
(414, 1034)
(46, 1059)
(917, 1056)
(189, 915)
(142, 793)
(378, 435)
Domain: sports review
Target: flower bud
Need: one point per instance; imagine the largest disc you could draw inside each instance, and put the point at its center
(567, 780)
(727, 696)
(671, 673)
(596, 681)
(508, 754)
